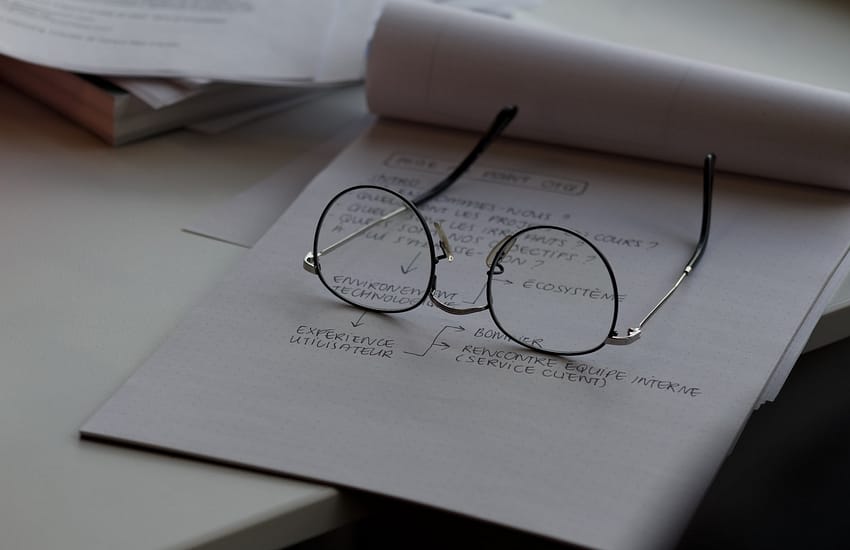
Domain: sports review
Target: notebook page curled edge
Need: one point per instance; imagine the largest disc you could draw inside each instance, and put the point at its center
(442, 66)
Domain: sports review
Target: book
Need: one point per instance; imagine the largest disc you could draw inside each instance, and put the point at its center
(607, 450)
(117, 116)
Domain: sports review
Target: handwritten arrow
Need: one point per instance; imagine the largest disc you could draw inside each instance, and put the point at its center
(410, 267)
(478, 297)
(441, 344)
(359, 320)
(484, 287)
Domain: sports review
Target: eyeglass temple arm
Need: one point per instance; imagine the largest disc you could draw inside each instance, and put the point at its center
(500, 122)
(310, 263)
(707, 192)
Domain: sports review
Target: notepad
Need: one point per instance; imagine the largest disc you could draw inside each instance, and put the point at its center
(271, 372)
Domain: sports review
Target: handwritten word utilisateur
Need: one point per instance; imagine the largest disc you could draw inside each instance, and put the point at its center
(333, 339)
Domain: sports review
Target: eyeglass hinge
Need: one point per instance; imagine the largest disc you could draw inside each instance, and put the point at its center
(632, 335)
(309, 263)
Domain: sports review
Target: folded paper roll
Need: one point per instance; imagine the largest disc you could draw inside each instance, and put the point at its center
(442, 66)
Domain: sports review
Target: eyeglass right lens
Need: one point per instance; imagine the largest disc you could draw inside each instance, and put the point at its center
(373, 250)
(555, 293)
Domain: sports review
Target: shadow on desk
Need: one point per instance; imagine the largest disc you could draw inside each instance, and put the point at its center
(786, 485)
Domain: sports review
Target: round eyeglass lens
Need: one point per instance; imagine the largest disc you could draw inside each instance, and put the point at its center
(550, 289)
(373, 250)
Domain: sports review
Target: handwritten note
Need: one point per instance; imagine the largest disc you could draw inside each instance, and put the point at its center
(612, 449)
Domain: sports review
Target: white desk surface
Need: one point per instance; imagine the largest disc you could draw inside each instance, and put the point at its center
(94, 271)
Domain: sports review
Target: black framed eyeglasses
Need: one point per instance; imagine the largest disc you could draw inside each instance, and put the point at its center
(373, 249)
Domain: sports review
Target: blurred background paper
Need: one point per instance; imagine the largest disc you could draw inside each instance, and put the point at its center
(240, 40)
(127, 71)
(259, 41)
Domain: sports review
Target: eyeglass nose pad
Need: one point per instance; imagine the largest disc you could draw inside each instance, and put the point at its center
(491, 257)
(444, 243)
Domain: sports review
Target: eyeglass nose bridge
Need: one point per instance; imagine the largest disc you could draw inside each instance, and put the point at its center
(505, 244)
(449, 308)
(447, 254)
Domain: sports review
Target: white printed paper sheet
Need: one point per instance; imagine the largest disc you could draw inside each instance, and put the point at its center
(274, 41)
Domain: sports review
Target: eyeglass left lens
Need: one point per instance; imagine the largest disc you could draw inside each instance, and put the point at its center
(373, 250)
(552, 290)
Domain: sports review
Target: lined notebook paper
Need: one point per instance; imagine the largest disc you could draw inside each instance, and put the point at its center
(609, 450)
